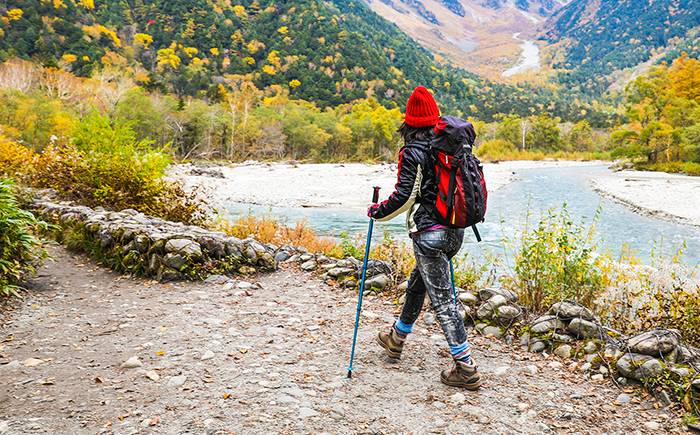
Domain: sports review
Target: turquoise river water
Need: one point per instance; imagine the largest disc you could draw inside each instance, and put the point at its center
(537, 190)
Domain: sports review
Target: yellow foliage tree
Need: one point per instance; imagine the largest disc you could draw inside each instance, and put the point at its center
(684, 73)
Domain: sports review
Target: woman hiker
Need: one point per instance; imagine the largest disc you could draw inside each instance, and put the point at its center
(433, 244)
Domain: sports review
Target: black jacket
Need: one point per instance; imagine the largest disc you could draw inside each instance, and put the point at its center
(414, 188)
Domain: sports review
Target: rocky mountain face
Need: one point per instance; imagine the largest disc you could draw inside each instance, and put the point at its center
(483, 36)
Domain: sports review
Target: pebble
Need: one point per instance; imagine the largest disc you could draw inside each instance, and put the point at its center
(529, 369)
(337, 414)
(177, 381)
(624, 398)
(32, 362)
(212, 321)
(287, 401)
(439, 405)
(132, 363)
(4, 425)
(152, 375)
(501, 371)
(457, 398)
(597, 377)
(12, 365)
(428, 319)
(652, 425)
(307, 412)
(207, 355)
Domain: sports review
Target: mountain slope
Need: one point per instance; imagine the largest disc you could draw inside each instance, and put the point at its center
(592, 39)
(478, 35)
(329, 53)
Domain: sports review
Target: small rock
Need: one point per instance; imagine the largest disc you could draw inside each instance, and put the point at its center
(176, 381)
(32, 362)
(623, 398)
(207, 355)
(597, 377)
(428, 319)
(4, 426)
(538, 346)
(216, 279)
(132, 363)
(492, 330)
(591, 347)
(337, 414)
(152, 375)
(307, 412)
(563, 351)
(12, 365)
(457, 398)
(529, 369)
(309, 265)
(652, 425)
(285, 400)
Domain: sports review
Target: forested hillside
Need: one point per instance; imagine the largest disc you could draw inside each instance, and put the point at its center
(596, 38)
(328, 53)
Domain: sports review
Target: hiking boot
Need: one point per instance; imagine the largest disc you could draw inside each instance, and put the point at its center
(461, 375)
(391, 342)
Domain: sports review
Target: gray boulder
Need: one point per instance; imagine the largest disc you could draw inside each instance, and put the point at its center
(584, 329)
(638, 366)
(570, 310)
(487, 293)
(545, 324)
(490, 308)
(654, 343)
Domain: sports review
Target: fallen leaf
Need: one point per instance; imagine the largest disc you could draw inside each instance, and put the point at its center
(165, 328)
(48, 383)
(49, 359)
(208, 381)
(108, 424)
(98, 380)
(243, 350)
(82, 265)
(154, 421)
(123, 416)
(159, 353)
(227, 395)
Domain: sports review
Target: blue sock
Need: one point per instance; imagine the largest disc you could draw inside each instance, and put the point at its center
(402, 329)
(462, 352)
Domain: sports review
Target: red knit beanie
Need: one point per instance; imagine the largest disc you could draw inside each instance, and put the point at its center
(421, 110)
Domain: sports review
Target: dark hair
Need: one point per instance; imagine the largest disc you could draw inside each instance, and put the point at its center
(409, 133)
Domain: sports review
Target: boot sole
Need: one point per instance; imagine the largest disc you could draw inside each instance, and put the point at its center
(391, 353)
(471, 386)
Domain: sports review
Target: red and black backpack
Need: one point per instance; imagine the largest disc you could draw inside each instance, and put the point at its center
(461, 188)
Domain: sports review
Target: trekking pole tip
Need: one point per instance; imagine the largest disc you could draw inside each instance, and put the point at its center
(349, 374)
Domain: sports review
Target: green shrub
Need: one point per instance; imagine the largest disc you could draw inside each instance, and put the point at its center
(20, 251)
(692, 168)
(104, 166)
(554, 262)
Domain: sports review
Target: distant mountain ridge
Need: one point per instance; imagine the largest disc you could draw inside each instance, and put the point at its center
(592, 40)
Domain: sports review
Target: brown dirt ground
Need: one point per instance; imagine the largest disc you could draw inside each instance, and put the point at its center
(280, 351)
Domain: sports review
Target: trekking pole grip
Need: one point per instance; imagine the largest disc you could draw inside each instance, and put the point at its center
(375, 195)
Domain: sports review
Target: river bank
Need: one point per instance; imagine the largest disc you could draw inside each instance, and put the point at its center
(348, 186)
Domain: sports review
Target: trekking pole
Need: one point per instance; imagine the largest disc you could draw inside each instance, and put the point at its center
(454, 286)
(375, 199)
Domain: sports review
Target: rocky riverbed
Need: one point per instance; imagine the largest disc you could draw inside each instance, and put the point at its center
(91, 351)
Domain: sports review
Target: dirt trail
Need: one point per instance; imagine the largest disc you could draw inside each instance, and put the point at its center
(268, 358)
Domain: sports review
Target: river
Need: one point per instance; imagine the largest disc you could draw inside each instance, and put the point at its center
(536, 189)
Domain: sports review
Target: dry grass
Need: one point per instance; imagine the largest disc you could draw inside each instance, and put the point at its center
(269, 230)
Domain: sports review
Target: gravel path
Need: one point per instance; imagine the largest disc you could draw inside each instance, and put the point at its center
(269, 355)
